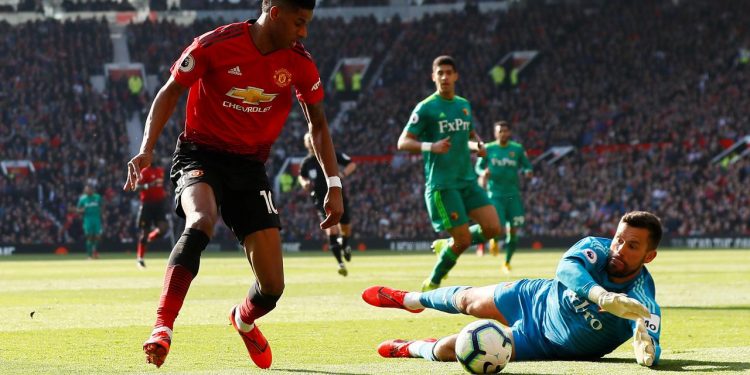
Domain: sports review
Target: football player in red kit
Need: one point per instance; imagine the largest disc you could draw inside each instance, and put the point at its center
(153, 211)
(240, 79)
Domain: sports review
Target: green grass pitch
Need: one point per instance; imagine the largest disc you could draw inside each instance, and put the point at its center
(93, 316)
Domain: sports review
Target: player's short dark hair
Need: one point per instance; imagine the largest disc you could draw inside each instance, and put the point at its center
(646, 220)
(503, 123)
(304, 4)
(444, 60)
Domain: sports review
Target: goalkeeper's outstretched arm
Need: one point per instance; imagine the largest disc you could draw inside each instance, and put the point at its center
(645, 347)
(618, 304)
(646, 331)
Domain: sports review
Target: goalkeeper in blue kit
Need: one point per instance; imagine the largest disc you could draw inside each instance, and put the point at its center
(601, 296)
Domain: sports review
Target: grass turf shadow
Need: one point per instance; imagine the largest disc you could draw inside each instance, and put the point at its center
(688, 365)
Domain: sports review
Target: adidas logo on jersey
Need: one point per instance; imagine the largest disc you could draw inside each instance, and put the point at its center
(236, 71)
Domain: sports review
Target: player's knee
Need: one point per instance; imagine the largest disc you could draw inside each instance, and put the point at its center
(274, 286)
(268, 293)
(461, 242)
(460, 301)
(187, 250)
(463, 300)
(202, 222)
(491, 231)
(445, 349)
(470, 302)
(473, 308)
(276, 289)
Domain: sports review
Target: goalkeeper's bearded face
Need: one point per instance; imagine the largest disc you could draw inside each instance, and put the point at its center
(629, 251)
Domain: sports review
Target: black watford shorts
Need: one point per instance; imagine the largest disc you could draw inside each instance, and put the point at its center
(241, 188)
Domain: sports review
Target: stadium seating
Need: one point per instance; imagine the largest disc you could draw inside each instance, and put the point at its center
(647, 94)
(52, 116)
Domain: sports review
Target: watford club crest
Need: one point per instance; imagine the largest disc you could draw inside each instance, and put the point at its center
(454, 216)
(512, 154)
(251, 95)
(466, 111)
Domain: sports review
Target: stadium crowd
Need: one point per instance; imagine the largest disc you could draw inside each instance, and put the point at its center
(161, 5)
(97, 6)
(51, 115)
(621, 82)
(636, 84)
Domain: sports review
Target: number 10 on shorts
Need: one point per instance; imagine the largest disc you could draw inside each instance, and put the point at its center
(269, 201)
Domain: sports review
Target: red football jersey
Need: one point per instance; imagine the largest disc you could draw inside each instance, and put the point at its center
(154, 177)
(239, 99)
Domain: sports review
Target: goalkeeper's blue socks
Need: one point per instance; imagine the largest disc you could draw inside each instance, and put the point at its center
(442, 299)
(423, 349)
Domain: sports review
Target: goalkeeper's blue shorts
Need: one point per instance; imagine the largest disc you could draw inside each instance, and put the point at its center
(517, 301)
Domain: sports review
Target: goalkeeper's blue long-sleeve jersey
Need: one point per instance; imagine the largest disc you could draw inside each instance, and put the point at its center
(574, 324)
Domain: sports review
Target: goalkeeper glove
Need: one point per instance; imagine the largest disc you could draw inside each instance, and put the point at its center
(643, 345)
(618, 304)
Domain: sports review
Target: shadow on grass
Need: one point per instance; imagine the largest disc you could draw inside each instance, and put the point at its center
(688, 365)
(707, 308)
(307, 371)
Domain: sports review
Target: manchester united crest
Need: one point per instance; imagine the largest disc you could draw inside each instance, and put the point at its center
(282, 77)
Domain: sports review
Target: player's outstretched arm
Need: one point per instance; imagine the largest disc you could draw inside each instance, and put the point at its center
(645, 350)
(618, 304)
(326, 155)
(161, 109)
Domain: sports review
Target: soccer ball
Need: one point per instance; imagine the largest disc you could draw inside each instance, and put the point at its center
(483, 347)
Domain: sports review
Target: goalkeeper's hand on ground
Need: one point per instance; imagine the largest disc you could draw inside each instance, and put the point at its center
(643, 345)
(618, 304)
